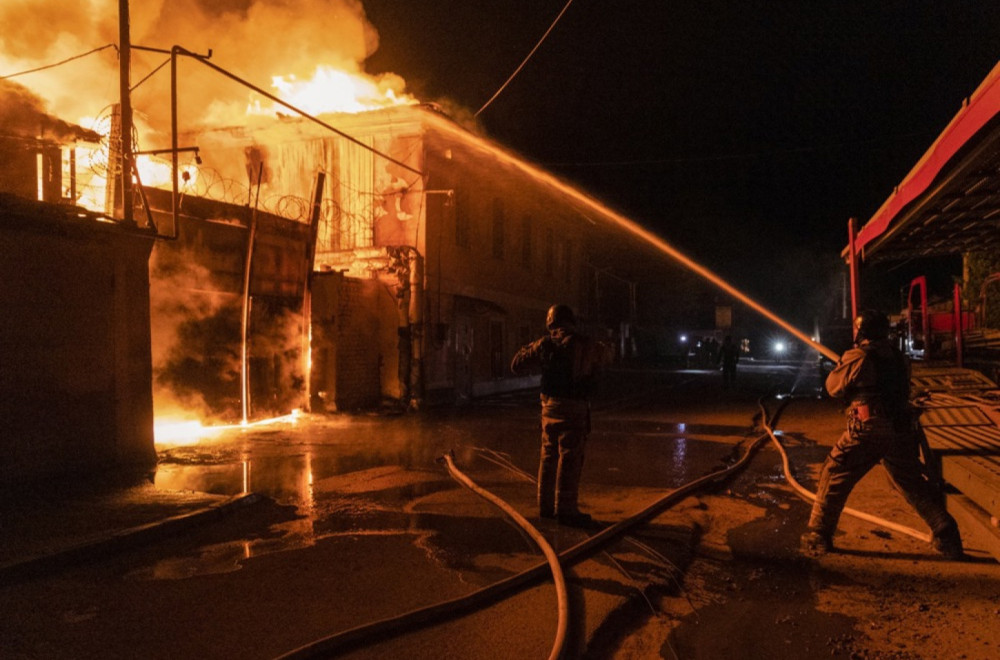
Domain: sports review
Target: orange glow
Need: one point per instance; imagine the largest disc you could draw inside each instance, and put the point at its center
(158, 173)
(334, 90)
(169, 432)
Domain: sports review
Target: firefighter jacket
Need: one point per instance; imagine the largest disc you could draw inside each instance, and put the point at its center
(569, 363)
(874, 379)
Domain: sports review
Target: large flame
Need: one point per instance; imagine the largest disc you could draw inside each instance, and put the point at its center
(337, 90)
(309, 52)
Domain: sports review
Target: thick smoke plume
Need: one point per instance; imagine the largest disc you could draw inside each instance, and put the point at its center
(255, 39)
(23, 114)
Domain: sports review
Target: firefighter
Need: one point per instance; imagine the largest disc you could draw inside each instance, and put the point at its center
(729, 356)
(873, 378)
(569, 363)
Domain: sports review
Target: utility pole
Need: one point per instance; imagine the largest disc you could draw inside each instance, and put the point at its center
(124, 65)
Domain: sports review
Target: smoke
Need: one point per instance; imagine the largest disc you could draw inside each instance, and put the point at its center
(197, 351)
(193, 375)
(255, 39)
(22, 114)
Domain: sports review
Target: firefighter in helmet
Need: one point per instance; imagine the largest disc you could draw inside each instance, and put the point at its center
(873, 378)
(569, 363)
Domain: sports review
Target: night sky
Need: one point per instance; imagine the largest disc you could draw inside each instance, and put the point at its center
(744, 132)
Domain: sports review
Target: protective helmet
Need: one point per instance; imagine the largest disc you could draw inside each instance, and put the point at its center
(871, 324)
(559, 316)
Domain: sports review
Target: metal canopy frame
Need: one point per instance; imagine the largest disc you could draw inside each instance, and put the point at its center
(949, 203)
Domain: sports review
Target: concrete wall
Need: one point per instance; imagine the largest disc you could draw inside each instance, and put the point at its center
(75, 374)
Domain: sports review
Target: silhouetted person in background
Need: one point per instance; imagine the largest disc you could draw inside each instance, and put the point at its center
(570, 363)
(874, 379)
(729, 355)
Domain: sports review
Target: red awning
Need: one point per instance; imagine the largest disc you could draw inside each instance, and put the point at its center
(950, 201)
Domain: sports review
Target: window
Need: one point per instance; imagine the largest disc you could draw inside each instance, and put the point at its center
(498, 228)
(568, 262)
(461, 220)
(550, 252)
(526, 223)
(497, 357)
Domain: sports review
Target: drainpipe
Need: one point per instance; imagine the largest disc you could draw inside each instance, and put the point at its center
(415, 264)
(405, 345)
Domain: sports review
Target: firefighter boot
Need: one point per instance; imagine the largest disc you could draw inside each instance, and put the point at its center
(547, 469)
(949, 543)
(815, 543)
(567, 491)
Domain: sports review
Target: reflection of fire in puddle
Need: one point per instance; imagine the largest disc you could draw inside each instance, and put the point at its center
(330, 498)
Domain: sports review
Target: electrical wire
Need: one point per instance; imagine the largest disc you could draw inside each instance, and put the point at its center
(518, 69)
(65, 61)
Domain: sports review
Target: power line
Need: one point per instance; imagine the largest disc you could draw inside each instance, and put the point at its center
(51, 66)
(518, 70)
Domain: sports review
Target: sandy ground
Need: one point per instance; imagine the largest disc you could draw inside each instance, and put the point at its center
(749, 593)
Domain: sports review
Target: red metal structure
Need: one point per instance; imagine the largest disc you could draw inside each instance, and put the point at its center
(949, 205)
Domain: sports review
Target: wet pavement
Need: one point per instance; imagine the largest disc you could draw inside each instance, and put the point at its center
(285, 533)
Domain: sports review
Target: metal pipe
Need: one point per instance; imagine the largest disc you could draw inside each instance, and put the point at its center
(925, 322)
(245, 325)
(852, 261)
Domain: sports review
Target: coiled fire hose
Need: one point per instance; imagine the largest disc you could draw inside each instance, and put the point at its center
(385, 628)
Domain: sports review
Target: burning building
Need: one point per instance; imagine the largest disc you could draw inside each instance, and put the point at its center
(37, 154)
(436, 252)
(395, 257)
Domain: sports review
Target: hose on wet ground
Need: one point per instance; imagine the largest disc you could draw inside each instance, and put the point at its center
(476, 600)
(562, 597)
(809, 496)
(439, 612)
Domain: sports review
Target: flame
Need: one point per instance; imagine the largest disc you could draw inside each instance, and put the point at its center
(173, 432)
(158, 173)
(336, 90)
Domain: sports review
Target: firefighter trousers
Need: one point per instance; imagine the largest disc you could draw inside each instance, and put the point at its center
(565, 426)
(863, 446)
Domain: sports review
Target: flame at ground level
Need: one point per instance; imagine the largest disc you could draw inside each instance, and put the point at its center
(171, 432)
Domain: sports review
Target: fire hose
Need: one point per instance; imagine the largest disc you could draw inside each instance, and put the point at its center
(388, 627)
(809, 496)
(384, 628)
(558, 578)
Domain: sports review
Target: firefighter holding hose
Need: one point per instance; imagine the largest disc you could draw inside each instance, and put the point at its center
(569, 362)
(873, 378)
